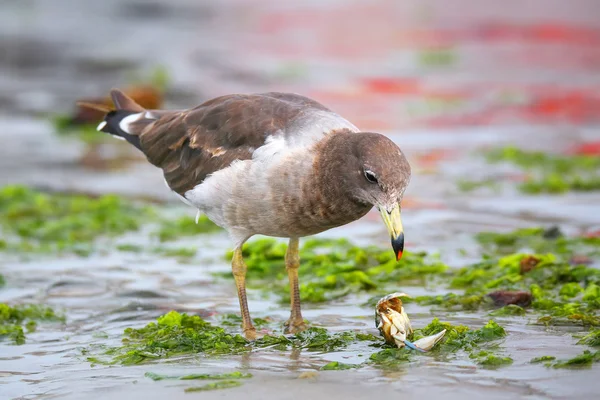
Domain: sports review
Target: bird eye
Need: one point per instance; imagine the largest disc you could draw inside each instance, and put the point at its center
(370, 175)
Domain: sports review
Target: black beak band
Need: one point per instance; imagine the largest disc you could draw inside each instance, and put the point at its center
(398, 245)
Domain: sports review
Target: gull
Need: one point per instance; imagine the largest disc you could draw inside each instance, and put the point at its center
(274, 164)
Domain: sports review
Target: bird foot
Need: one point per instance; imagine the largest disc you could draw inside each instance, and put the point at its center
(295, 326)
(251, 334)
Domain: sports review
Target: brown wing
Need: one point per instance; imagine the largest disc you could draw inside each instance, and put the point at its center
(192, 144)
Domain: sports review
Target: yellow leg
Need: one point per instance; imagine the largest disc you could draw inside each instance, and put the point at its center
(239, 268)
(292, 261)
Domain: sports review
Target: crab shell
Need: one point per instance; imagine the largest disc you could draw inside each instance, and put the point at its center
(394, 325)
(391, 319)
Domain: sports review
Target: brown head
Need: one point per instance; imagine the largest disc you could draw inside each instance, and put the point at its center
(369, 169)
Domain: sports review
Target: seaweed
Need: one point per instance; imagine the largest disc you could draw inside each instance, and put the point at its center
(559, 292)
(332, 269)
(538, 240)
(214, 386)
(42, 222)
(130, 248)
(35, 221)
(591, 339)
(583, 360)
(175, 334)
(391, 358)
(457, 338)
(228, 375)
(338, 366)
(509, 310)
(489, 359)
(542, 359)
(315, 339)
(551, 173)
(15, 321)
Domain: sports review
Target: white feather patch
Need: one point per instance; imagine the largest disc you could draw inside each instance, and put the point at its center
(274, 145)
(128, 120)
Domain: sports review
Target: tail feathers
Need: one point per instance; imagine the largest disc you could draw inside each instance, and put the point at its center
(124, 102)
(126, 122)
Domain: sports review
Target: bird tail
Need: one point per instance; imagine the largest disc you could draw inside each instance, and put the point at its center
(126, 121)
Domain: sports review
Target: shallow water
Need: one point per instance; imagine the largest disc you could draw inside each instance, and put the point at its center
(58, 51)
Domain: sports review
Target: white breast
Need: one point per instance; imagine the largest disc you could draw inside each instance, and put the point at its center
(238, 197)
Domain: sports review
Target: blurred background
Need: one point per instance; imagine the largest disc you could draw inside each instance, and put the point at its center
(467, 71)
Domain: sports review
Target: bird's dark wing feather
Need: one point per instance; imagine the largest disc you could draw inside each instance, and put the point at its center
(189, 145)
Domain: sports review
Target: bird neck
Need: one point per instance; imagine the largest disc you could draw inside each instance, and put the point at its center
(330, 178)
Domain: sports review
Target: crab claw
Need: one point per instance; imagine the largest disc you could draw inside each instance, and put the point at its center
(412, 346)
(426, 343)
(392, 321)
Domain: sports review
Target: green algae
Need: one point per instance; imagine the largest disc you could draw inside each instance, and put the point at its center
(338, 366)
(538, 240)
(2, 280)
(391, 358)
(130, 248)
(15, 321)
(488, 359)
(185, 226)
(554, 163)
(509, 310)
(457, 338)
(176, 334)
(545, 172)
(180, 334)
(551, 173)
(583, 360)
(35, 221)
(454, 302)
(591, 339)
(214, 386)
(460, 337)
(315, 339)
(173, 334)
(542, 359)
(562, 293)
(570, 290)
(234, 320)
(331, 269)
(228, 375)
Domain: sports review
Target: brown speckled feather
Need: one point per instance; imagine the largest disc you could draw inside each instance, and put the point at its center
(189, 145)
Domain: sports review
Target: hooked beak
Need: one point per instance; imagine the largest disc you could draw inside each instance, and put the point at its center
(393, 223)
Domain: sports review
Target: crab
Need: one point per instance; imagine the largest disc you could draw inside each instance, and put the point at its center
(394, 325)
